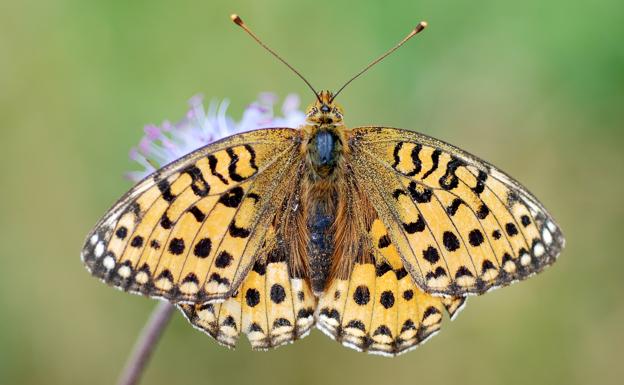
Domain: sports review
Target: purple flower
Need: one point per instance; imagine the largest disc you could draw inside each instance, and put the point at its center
(162, 145)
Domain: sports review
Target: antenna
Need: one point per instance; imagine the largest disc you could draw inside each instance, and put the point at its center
(238, 21)
(422, 25)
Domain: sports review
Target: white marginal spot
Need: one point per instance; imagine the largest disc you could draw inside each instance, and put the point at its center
(551, 226)
(99, 250)
(141, 278)
(93, 239)
(509, 267)
(108, 262)
(547, 236)
(525, 259)
(124, 271)
(163, 284)
(538, 250)
(189, 288)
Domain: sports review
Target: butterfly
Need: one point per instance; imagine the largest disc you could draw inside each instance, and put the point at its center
(369, 233)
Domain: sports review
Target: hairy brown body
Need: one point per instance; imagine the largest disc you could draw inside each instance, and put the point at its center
(330, 236)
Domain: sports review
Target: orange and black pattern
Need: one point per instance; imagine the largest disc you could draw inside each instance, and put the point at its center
(461, 226)
(190, 232)
(371, 234)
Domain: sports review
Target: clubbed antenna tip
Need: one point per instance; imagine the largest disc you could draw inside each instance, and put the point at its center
(236, 19)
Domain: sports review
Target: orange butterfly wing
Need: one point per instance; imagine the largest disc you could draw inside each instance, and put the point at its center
(190, 231)
(460, 225)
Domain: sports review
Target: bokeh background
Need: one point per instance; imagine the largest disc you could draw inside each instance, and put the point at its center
(536, 87)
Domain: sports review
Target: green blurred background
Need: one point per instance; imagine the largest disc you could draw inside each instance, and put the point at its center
(536, 87)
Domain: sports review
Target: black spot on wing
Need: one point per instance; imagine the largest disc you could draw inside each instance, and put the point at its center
(384, 241)
(415, 160)
(483, 211)
(232, 167)
(449, 180)
(199, 185)
(252, 297)
(450, 241)
(190, 278)
(415, 227)
(212, 163)
(176, 246)
(400, 273)
(215, 277)
(419, 193)
(435, 159)
(383, 330)
(511, 229)
(525, 220)
(197, 213)
(252, 157)
(278, 294)
(361, 295)
(397, 193)
(431, 310)
(480, 186)
(121, 232)
(202, 248)
(254, 327)
(165, 222)
(137, 241)
(431, 255)
(281, 322)
(475, 237)
(454, 206)
(165, 190)
(259, 267)
(395, 154)
(437, 273)
(253, 196)
(238, 232)
(382, 269)
(305, 313)
(463, 272)
(232, 198)
(229, 321)
(223, 260)
(387, 299)
(357, 324)
(408, 325)
(487, 265)
(330, 313)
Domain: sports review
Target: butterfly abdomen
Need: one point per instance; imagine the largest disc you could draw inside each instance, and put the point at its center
(320, 246)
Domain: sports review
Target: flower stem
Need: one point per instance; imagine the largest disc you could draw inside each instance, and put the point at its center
(145, 344)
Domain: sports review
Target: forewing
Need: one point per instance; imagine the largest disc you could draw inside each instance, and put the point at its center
(190, 231)
(460, 225)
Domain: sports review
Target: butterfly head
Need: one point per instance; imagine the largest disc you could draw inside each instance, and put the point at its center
(324, 111)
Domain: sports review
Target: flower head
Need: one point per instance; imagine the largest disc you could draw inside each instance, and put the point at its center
(163, 144)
